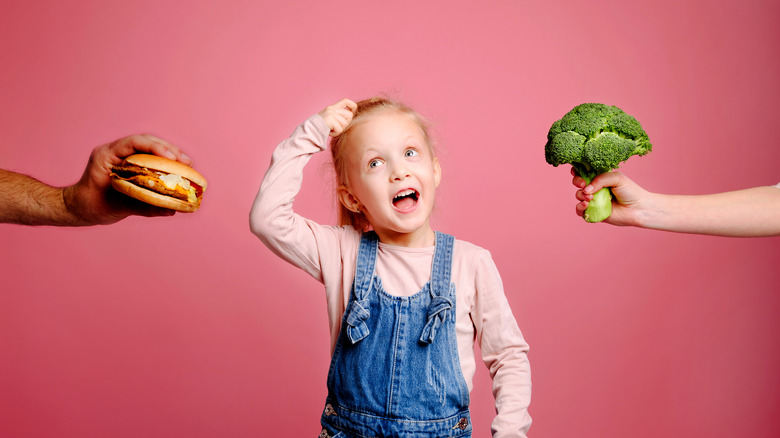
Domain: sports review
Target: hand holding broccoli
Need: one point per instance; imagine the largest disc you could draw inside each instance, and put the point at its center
(630, 202)
(595, 138)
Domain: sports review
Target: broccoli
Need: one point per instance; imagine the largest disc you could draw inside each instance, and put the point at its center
(595, 138)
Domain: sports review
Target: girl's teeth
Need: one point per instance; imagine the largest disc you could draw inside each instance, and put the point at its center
(405, 193)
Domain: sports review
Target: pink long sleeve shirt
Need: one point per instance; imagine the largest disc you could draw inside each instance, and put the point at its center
(328, 253)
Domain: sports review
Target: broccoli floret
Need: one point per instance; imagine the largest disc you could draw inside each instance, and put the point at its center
(595, 138)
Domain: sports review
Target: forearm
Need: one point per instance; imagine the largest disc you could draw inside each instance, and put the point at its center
(751, 212)
(504, 351)
(512, 391)
(272, 211)
(272, 218)
(27, 201)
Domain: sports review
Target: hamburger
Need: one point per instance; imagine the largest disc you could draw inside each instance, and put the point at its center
(159, 181)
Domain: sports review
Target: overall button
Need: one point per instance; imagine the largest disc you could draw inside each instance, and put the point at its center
(462, 424)
(329, 410)
(324, 434)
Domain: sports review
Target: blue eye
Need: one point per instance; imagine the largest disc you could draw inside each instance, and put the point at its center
(410, 153)
(374, 163)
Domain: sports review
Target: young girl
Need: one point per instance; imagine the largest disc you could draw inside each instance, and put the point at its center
(405, 302)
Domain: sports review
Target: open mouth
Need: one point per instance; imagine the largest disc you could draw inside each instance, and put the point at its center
(406, 199)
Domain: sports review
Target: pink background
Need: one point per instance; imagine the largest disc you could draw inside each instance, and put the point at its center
(189, 327)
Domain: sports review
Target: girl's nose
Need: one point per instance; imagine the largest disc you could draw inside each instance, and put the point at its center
(399, 173)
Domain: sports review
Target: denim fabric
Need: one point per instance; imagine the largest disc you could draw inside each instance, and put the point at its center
(395, 369)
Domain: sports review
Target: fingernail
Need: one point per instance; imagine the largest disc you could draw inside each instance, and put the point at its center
(186, 157)
(170, 155)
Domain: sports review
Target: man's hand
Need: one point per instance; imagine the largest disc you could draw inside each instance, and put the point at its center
(92, 200)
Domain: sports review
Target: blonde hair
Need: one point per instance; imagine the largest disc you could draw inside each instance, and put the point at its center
(338, 145)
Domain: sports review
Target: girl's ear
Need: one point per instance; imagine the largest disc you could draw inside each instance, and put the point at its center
(348, 199)
(436, 171)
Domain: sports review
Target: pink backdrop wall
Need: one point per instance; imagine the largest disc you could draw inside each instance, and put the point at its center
(189, 327)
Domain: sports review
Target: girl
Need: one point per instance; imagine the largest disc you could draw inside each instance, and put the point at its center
(405, 302)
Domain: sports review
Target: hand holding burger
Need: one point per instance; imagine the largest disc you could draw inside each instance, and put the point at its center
(90, 201)
(94, 201)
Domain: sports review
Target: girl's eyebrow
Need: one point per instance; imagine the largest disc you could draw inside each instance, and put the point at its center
(368, 155)
(370, 151)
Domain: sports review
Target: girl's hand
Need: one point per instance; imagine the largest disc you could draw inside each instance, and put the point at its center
(338, 116)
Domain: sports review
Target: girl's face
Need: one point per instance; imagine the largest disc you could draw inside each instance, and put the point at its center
(392, 177)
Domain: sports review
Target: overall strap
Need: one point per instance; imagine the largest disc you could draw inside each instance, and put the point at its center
(357, 311)
(440, 284)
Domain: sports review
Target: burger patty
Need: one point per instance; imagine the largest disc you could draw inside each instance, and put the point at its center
(132, 170)
(148, 179)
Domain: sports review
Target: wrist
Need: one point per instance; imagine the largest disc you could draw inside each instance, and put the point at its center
(652, 213)
(72, 211)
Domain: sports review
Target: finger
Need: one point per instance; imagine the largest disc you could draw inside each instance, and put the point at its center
(340, 104)
(348, 104)
(164, 148)
(609, 179)
(580, 208)
(341, 121)
(335, 125)
(581, 196)
(149, 144)
(345, 113)
(144, 143)
(578, 181)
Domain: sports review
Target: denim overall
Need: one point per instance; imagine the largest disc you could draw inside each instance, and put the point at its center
(395, 370)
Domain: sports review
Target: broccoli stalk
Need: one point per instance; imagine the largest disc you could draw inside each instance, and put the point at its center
(595, 138)
(600, 207)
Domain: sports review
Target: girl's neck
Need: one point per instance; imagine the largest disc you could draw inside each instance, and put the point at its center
(422, 238)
